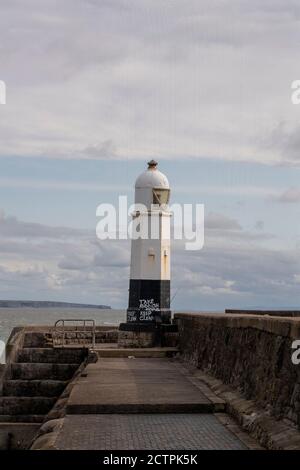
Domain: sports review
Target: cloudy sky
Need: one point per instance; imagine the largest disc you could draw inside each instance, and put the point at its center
(97, 87)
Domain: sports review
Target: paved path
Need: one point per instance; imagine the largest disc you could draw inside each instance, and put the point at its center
(147, 432)
(145, 403)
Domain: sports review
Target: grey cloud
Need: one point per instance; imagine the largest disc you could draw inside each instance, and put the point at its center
(289, 196)
(103, 150)
(96, 255)
(114, 254)
(12, 227)
(239, 276)
(215, 221)
(259, 225)
(285, 138)
(74, 262)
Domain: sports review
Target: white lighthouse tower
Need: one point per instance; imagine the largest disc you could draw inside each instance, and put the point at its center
(149, 288)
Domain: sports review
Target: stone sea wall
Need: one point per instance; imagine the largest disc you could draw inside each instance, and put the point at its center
(250, 353)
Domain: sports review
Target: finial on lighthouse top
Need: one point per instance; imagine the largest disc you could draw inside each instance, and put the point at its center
(152, 164)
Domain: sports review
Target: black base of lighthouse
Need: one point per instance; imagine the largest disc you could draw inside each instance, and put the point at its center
(149, 301)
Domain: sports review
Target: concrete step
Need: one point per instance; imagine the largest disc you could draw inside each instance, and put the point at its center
(17, 436)
(133, 408)
(36, 339)
(25, 405)
(33, 388)
(136, 352)
(50, 355)
(38, 371)
(22, 418)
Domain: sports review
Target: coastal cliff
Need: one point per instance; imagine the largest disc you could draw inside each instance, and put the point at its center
(46, 303)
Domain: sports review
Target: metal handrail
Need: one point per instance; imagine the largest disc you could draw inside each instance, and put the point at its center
(85, 322)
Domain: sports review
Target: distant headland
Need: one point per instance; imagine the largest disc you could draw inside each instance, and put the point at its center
(46, 303)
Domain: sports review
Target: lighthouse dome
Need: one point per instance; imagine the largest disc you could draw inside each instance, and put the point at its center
(152, 187)
(152, 178)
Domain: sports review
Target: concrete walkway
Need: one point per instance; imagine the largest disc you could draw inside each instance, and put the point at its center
(147, 432)
(137, 385)
(145, 403)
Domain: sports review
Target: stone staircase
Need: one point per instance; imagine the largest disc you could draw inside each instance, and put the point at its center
(37, 377)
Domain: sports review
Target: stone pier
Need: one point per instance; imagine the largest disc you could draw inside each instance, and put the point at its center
(224, 381)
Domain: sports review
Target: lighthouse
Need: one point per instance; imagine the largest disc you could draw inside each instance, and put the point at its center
(149, 285)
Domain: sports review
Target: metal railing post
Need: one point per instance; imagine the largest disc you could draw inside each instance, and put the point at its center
(84, 322)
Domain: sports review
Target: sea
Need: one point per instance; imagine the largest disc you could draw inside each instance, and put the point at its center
(11, 317)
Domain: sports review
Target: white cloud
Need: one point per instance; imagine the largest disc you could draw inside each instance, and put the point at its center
(144, 78)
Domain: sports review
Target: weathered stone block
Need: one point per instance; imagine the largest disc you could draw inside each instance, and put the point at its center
(136, 339)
